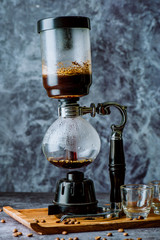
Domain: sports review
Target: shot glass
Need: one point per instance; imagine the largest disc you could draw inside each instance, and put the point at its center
(156, 196)
(136, 200)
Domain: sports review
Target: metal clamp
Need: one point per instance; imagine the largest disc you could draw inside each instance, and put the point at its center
(72, 109)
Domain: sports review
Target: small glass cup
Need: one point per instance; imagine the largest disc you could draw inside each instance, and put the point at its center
(136, 200)
(156, 196)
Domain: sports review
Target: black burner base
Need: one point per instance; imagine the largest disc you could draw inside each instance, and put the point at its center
(72, 209)
(74, 194)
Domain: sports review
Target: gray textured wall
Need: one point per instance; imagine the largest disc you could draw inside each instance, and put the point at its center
(125, 39)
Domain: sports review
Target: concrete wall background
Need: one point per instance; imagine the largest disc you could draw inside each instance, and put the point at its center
(125, 40)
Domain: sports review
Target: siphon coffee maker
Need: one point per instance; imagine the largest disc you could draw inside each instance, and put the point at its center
(71, 142)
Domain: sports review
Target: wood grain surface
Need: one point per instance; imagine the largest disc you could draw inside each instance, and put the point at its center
(33, 219)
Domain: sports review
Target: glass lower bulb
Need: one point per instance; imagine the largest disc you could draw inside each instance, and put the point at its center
(71, 143)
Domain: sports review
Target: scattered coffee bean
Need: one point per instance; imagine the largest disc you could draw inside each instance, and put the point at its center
(57, 238)
(66, 222)
(140, 217)
(64, 232)
(120, 230)
(3, 221)
(15, 230)
(104, 238)
(109, 234)
(73, 219)
(139, 238)
(19, 233)
(125, 234)
(97, 238)
(29, 235)
(36, 220)
(43, 221)
(77, 222)
(75, 238)
(15, 235)
(70, 238)
(58, 221)
(62, 239)
(1, 210)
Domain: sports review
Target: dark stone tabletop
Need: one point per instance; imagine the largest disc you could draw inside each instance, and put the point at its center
(41, 200)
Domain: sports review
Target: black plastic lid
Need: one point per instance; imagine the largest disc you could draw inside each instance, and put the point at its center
(63, 22)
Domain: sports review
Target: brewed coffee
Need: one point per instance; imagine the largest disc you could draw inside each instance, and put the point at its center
(71, 81)
(70, 164)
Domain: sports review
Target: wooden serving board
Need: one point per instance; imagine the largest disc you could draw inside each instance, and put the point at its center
(27, 217)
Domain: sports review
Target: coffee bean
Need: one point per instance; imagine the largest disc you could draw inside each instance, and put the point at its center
(97, 238)
(36, 220)
(75, 238)
(120, 230)
(1, 210)
(70, 238)
(19, 233)
(64, 232)
(73, 219)
(62, 239)
(58, 221)
(3, 221)
(109, 234)
(104, 238)
(43, 221)
(15, 230)
(66, 222)
(15, 235)
(140, 217)
(57, 238)
(139, 238)
(29, 235)
(125, 234)
(77, 222)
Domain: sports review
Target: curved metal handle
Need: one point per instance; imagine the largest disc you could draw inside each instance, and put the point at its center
(104, 109)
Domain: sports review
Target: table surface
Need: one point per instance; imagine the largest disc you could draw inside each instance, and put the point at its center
(42, 200)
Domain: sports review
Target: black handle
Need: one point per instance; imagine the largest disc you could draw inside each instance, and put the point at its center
(116, 157)
(117, 171)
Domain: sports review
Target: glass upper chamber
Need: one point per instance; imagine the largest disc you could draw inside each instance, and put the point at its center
(66, 56)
